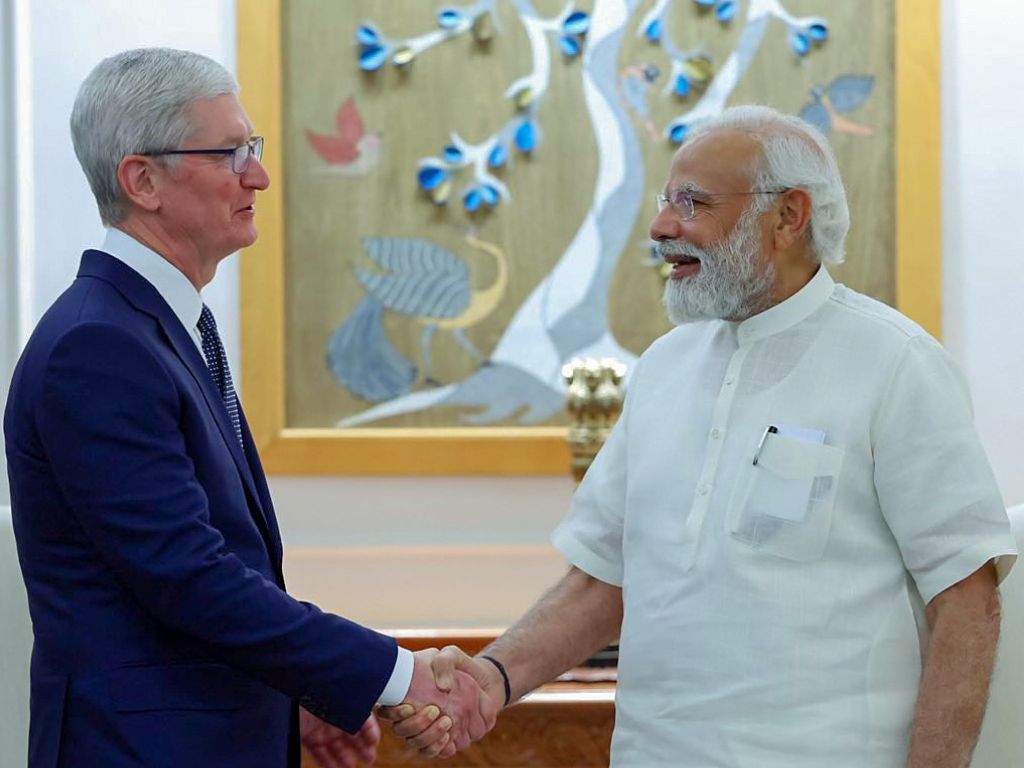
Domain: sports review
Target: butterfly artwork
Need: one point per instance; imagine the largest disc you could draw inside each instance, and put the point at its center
(828, 105)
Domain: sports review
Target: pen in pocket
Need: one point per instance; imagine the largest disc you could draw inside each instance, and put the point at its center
(771, 429)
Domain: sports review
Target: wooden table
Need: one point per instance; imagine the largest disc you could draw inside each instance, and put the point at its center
(561, 725)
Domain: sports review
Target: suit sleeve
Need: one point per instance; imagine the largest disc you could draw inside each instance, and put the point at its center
(109, 417)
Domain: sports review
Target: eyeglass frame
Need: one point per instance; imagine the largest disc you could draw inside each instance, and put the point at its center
(254, 146)
(686, 194)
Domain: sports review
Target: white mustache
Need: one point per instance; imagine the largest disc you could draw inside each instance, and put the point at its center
(666, 248)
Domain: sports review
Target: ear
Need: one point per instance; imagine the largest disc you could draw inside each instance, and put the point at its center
(139, 178)
(794, 218)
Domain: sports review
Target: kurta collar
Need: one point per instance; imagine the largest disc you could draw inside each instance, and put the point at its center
(782, 316)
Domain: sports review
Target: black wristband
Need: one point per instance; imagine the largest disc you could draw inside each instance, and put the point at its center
(504, 676)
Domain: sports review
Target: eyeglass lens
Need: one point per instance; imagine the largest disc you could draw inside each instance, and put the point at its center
(252, 148)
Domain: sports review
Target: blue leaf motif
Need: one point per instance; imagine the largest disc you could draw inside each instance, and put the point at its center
(452, 154)
(490, 195)
(471, 201)
(705, 3)
(367, 35)
(678, 133)
(526, 136)
(372, 58)
(569, 45)
(577, 23)
(449, 18)
(429, 176)
(726, 11)
(799, 43)
(682, 86)
(498, 156)
(850, 91)
(653, 31)
(818, 31)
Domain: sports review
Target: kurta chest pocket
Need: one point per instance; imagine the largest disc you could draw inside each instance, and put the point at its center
(782, 505)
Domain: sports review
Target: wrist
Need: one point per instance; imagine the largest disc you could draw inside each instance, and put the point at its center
(502, 683)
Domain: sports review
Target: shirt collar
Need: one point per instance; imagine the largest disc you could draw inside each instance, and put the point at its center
(172, 285)
(788, 313)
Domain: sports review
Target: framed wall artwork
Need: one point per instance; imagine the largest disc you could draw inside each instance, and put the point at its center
(461, 193)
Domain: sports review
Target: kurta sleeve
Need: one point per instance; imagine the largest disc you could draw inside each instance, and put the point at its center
(934, 484)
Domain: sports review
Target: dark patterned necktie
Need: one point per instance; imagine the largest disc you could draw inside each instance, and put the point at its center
(217, 362)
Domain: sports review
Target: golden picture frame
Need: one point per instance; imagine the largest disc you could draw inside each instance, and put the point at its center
(540, 450)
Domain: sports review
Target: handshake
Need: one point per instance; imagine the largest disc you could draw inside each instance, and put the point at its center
(453, 700)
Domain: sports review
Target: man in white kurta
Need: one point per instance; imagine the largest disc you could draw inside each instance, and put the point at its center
(793, 527)
(769, 609)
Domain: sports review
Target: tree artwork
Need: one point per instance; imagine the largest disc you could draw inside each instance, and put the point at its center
(453, 284)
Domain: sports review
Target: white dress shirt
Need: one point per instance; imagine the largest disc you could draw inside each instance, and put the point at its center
(773, 611)
(187, 304)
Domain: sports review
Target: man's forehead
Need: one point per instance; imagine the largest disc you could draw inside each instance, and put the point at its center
(715, 159)
(220, 118)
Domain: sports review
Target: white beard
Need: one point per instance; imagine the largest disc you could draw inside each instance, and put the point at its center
(729, 285)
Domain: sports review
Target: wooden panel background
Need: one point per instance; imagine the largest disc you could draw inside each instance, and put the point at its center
(298, 65)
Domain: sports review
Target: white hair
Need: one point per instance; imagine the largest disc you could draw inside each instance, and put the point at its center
(794, 154)
(138, 101)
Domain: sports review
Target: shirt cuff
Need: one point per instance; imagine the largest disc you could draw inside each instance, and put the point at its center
(401, 678)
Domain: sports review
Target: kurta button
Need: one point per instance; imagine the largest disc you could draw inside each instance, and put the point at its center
(729, 381)
(703, 490)
(715, 434)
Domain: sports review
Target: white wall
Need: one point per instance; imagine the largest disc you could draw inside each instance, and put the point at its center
(983, 229)
(405, 530)
(8, 174)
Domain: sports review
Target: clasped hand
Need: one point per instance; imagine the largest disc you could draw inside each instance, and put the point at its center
(453, 701)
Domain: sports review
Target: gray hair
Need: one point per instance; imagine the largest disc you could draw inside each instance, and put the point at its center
(138, 101)
(793, 154)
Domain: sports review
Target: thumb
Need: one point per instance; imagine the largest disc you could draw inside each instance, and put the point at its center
(446, 662)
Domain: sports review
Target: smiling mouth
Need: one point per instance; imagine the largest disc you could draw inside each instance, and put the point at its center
(681, 260)
(682, 266)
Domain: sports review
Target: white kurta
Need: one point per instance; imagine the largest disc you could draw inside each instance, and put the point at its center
(774, 612)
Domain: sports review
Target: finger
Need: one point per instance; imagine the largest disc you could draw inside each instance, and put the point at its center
(433, 734)
(436, 748)
(460, 738)
(322, 757)
(341, 755)
(418, 723)
(369, 734)
(368, 754)
(394, 714)
(448, 751)
(366, 748)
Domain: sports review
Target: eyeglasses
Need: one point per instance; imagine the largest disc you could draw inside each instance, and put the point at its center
(240, 155)
(686, 200)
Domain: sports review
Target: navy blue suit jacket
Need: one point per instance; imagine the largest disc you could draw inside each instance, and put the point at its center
(151, 554)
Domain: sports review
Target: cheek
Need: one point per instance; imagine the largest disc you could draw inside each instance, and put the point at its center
(704, 231)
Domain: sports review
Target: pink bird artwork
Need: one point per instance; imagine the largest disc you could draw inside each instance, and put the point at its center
(350, 151)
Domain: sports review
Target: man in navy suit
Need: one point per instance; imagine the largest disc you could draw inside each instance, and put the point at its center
(145, 530)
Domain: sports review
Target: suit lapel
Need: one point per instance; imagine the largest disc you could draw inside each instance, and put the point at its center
(144, 297)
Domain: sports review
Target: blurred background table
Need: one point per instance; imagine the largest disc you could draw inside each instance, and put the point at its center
(561, 725)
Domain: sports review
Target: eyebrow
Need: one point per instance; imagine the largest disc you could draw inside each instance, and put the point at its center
(690, 186)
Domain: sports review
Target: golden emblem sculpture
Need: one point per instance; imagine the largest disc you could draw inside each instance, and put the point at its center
(594, 402)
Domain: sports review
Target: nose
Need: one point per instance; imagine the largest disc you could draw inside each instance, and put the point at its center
(255, 175)
(666, 225)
